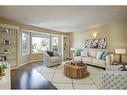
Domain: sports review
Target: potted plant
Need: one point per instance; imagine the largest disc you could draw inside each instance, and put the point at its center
(3, 68)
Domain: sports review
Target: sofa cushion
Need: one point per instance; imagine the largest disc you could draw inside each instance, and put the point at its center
(98, 61)
(55, 59)
(92, 53)
(77, 58)
(99, 54)
(87, 59)
(84, 53)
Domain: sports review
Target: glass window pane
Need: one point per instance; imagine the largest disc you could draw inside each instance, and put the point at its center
(40, 44)
(55, 43)
(25, 42)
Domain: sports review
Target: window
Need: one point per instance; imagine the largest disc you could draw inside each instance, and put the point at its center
(55, 43)
(25, 43)
(40, 42)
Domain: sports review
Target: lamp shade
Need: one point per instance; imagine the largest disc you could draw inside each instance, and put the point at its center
(120, 51)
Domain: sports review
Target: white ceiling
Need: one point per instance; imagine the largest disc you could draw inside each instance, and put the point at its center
(64, 18)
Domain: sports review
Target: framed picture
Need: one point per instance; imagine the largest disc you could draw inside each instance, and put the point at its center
(96, 43)
(102, 43)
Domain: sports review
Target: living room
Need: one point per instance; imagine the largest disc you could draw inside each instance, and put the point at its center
(75, 34)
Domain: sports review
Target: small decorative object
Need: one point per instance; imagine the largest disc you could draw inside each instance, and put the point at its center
(96, 43)
(6, 42)
(6, 50)
(3, 58)
(7, 31)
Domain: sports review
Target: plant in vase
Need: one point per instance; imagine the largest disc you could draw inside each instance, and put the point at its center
(3, 68)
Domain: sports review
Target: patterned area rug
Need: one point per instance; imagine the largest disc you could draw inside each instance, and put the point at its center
(56, 76)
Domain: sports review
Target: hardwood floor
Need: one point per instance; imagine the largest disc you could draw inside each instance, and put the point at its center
(26, 77)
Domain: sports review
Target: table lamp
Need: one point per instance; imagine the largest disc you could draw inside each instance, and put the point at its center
(120, 52)
(73, 51)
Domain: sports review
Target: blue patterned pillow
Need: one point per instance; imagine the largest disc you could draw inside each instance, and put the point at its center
(104, 56)
(78, 52)
(101, 55)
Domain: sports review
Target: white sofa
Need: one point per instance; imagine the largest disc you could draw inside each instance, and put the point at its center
(91, 57)
(51, 60)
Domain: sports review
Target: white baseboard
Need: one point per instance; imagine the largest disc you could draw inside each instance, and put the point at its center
(29, 62)
(16, 67)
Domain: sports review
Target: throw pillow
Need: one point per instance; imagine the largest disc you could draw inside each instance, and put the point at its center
(101, 55)
(50, 53)
(84, 53)
(78, 52)
(104, 56)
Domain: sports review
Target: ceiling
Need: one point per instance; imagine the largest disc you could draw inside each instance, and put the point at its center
(64, 18)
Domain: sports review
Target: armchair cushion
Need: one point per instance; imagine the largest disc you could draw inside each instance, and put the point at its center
(55, 59)
(55, 53)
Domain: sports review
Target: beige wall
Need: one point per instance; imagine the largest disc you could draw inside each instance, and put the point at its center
(116, 34)
(22, 59)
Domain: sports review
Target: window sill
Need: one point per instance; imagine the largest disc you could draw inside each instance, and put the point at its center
(36, 53)
(24, 54)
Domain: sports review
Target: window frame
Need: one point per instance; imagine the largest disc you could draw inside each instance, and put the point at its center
(28, 44)
(51, 45)
(44, 35)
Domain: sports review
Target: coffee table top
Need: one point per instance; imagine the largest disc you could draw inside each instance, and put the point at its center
(76, 64)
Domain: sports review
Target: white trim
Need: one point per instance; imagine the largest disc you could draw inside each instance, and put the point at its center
(9, 26)
(36, 52)
(29, 62)
(27, 52)
(16, 67)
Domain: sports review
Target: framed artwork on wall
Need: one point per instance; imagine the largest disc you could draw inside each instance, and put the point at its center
(102, 43)
(96, 43)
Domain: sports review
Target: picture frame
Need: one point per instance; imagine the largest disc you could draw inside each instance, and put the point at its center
(96, 43)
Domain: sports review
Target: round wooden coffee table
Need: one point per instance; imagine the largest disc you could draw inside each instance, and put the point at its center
(75, 71)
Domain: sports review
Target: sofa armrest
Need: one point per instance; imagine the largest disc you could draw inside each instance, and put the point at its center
(109, 59)
(46, 57)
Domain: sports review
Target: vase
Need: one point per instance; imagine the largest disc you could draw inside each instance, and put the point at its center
(2, 71)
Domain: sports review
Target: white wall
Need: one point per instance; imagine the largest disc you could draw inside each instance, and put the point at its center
(116, 34)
